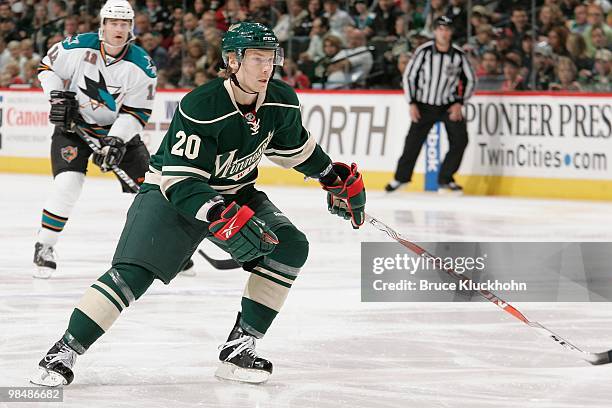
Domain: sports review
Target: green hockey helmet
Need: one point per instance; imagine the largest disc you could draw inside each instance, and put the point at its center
(242, 36)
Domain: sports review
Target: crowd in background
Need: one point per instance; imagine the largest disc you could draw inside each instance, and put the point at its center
(337, 44)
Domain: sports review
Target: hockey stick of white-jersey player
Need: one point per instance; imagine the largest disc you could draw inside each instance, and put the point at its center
(604, 357)
(96, 149)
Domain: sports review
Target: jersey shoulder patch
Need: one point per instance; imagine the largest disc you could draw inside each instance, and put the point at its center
(139, 57)
(86, 40)
(207, 104)
(281, 93)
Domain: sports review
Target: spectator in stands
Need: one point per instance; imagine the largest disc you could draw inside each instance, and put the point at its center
(230, 13)
(175, 57)
(601, 80)
(160, 18)
(350, 67)
(567, 8)
(315, 9)
(71, 26)
(8, 30)
(200, 77)
(262, 11)
(338, 19)
(150, 42)
(299, 17)
(565, 76)
(191, 27)
(214, 61)
(483, 41)
(84, 27)
(40, 29)
(518, 26)
(162, 80)
(332, 45)
(401, 45)
(291, 23)
(208, 20)
(58, 12)
(513, 81)
(383, 26)
(199, 8)
(458, 14)
(13, 51)
(400, 66)
(187, 73)
(541, 71)
(557, 37)
(480, 15)
(489, 77)
(363, 16)
(12, 69)
(27, 54)
(195, 51)
(293, 76)
(595, 18)
(437, 8)
(577, 51)
(549, 17)
(315, 51)
(142, 24)
(598, 39)
(579, 23)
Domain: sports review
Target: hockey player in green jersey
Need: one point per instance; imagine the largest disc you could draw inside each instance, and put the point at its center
(201, 186)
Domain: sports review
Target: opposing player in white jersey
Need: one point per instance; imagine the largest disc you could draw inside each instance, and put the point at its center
(106, 84)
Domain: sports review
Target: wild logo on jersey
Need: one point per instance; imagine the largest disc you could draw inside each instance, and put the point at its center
(227, 166)
(99, 94)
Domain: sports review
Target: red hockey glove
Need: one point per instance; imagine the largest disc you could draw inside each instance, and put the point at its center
(347, 199)
(242, 234)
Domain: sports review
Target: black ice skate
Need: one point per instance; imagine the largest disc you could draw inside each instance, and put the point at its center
(55, 369)
(394, 185)
(450, 188)
(239, 361)
(44, 259)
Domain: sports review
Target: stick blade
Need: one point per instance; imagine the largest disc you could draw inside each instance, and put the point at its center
(602, 358)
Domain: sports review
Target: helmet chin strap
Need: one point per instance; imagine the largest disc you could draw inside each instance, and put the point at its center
(235, 81)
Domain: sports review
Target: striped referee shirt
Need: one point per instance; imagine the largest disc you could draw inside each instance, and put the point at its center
(438, 78)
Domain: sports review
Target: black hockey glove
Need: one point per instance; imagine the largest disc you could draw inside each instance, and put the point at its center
(64, 108)
(112, 152)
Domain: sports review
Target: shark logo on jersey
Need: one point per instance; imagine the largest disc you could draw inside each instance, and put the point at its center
(150, 65)
(99, 94)
(72, 40)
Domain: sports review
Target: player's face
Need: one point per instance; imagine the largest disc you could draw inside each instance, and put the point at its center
(256, 69)
(116, 31)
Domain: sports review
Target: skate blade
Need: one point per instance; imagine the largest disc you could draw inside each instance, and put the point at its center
(47, 378)
(188, 273)
(42, 272)
(229, 371)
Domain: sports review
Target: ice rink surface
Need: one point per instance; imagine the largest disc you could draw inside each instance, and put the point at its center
(329, 349)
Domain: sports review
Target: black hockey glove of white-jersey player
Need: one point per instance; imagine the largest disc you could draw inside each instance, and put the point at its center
(111, 153)
(64, 108)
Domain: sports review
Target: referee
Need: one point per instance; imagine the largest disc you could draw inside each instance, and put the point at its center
(436, 83)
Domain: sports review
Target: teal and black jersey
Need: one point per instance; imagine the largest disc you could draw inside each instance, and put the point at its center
(212, 148)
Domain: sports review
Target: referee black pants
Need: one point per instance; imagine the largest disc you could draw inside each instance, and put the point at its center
(417, 134)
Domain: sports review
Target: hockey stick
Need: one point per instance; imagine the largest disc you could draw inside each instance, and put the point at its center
(221, 264)
(604, 357)
(96, 149)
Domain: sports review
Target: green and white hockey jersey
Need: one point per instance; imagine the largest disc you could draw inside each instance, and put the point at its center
(115, 94)
(212, 149)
